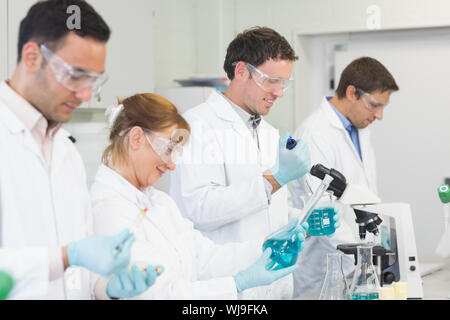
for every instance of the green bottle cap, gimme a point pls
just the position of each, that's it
(444, 193)
(6, 285)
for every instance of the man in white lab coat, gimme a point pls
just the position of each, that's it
(231, 180)
(338, 136)
(45, 212)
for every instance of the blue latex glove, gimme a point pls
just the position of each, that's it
(129, 283)
(98, 253)
(286, 232)
(291, 164)
(257, 274)
(337, 218)
(300, 230)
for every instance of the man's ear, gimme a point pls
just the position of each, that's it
(241, 70)
(31, 57)
(350, 93)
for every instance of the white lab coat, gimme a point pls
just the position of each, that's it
(194, 267)
(219, 184)
(41, 210)
(330, 144)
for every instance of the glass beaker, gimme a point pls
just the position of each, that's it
(334, 286)
(285, 247)
(365, 285)
(321, 222)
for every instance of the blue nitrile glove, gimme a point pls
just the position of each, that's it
(98, 253)
(337, 218)
(257, 274)
(129, 283)
(286, 232)
(300, 230)
(291, 164)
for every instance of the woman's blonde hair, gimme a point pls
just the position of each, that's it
(148, 111)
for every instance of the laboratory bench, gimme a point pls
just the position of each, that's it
(435, 282)
(436, 285)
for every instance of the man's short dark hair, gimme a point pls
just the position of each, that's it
(367, 74)
(256, 46)
(46, 22)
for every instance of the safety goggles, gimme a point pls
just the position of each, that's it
(266, 82)
(73, 78)
(370, 102)
(169, 150)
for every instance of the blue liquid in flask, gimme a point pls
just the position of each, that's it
(321, 222)
(285, 247)
(365, 296)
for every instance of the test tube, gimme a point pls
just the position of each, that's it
(138, 221)
(133, 227)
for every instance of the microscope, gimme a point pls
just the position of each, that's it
(396, 257)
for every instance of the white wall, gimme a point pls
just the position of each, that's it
(16, 12)
(130, 56)
(3, 39)
(175, 37)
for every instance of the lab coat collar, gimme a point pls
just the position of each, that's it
(331, 114)
(334, 118)
(8, 99)
(25, 112)
(225, 111)
(142, 198)
(222, 107)
(364, 134)
(10, 120)
(17, 128)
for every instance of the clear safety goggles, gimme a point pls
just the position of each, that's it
(370, 102)
(169, 150)
(73, 78)
(266, 82)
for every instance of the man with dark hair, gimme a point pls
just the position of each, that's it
(44, 204)
(231, 180)
(338, 138)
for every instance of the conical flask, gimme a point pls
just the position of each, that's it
(334, 286)
(285, 247)
(365, 285)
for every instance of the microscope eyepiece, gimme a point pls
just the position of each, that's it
(339, 182)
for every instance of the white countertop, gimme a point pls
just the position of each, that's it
(436, 286)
